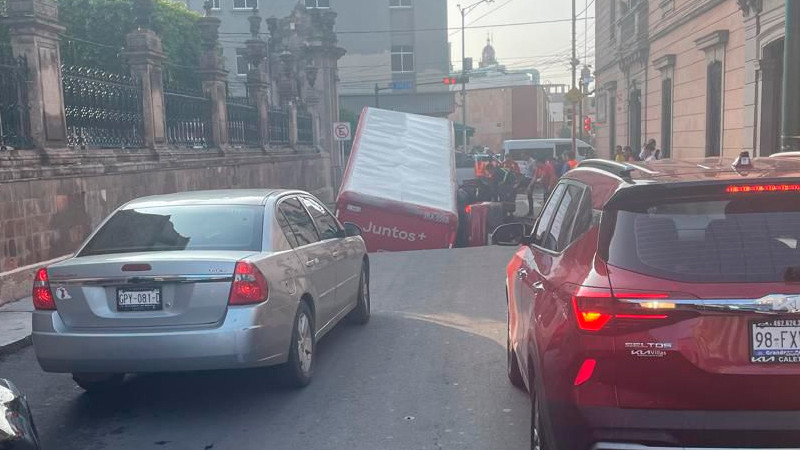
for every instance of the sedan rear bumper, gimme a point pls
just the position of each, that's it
(248, 337)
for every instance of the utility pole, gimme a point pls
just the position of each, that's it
(377, 96)
(464, 12)
(574, 74)
(791, 67)
(463, 80)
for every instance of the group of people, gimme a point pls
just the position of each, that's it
(546, 172)
(649, 152)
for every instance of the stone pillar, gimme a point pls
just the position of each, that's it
(146, 57)
(257, 78)
(214, 78)
(34, 28)
(293, 125)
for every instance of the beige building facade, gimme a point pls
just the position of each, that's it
(701, 77)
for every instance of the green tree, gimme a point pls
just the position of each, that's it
(96, 29)
(3, 28)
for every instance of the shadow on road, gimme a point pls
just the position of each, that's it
(401, 382)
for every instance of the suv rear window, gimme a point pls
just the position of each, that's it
(188, 227)
(753, 238)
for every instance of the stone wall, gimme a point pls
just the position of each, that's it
(47, 211)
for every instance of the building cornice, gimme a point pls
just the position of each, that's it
(685, 18)
(715, 39)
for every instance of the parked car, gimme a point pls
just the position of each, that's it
(17, 431)
(201, 280)
(658, 306)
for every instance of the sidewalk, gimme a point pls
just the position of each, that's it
(15, 325)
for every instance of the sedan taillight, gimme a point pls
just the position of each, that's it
(42, 295)
(249, 285)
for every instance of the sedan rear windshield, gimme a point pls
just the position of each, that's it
(751, 238)
(172, 228)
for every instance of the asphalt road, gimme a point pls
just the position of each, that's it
(427, 372)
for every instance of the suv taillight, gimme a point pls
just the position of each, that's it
(42, 295)
(599, 308)
(249, 285)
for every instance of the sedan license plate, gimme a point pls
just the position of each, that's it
(144, 299)
(775, 341)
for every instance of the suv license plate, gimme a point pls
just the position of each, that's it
(775, 341)
(144, 299)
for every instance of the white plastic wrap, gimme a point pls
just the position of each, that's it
(405, 158)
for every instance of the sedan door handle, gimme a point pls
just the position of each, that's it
(538, 286)
(337, 254)
(522, 273)
(312, 262)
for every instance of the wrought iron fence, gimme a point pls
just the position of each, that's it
(305, 130)
(14, 125)
(243, 122)
(103, 109)
(188, 119)
(187, 109)
(278, 127)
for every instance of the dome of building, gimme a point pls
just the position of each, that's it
(488, 57)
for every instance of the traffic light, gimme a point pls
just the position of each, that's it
(587, 124)
(455, 80)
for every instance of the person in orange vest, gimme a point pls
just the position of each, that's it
(572, 162)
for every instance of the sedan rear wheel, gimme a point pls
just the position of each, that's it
(298, 370)
(99, 382)
(360, 315)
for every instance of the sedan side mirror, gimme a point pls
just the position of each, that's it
(509, 235)
(352, 230)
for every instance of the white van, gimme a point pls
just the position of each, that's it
(522, 149)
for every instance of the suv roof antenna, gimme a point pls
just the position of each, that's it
(619, 169)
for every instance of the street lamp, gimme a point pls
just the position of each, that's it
(464, 11)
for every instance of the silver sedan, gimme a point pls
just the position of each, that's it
(201, 281)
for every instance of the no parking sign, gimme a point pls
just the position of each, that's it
(341, 131)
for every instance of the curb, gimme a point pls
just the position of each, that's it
(14, 346)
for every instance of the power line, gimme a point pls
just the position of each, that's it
(416, 30)
(493, 10)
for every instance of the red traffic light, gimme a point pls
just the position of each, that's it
(587, 124)
(450, 80)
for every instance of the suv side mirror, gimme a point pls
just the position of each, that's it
(509, 235)
(351, 229)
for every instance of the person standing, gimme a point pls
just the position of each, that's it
(571, 161)
(546, 176)
(618, 155)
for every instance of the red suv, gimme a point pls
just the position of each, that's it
(658, 306)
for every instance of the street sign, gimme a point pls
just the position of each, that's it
(402, 85)
(341, 131)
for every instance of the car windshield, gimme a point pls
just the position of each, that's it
(170, 228)
(747, 239)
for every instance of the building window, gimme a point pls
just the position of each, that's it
(666, 117)
(215, 4)
(245, 4)
(612, 122)
(402, 58)
(242, 66)
(313, 4)
(399, 3)
(714, 109)
(635, 119)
